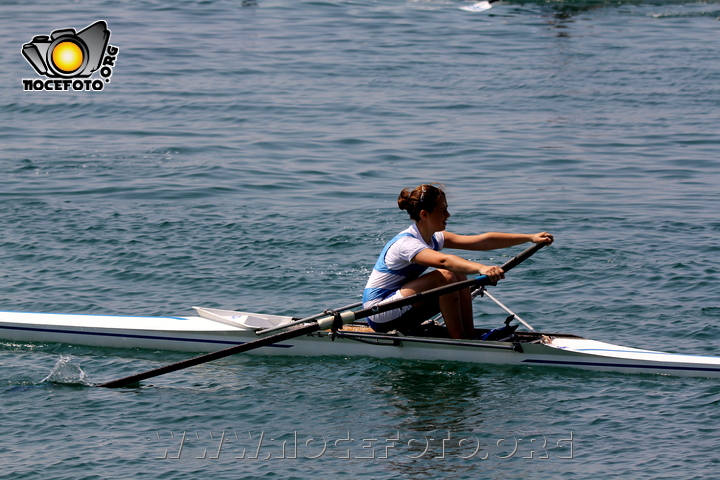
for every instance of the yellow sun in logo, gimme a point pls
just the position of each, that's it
(67, 56)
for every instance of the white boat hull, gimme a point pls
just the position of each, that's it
(197, 334)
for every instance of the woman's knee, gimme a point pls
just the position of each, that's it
(450, 277)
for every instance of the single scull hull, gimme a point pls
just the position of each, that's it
(198, 334)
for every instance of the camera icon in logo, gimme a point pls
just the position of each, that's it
(66, 53)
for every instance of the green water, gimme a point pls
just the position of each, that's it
(248, 155)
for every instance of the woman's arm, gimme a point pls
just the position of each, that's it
(455, 264)
(493, 240)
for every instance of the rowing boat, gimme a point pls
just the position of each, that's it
(211, 330)
(338, 332)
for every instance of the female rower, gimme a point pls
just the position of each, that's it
(398, 270)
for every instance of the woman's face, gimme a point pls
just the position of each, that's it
(437, 219)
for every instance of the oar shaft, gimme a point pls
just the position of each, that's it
(321, 323)
(308, 319)
(521, 257)
(261, 342)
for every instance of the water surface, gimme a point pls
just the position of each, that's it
(249, 155)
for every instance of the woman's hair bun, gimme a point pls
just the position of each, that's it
(404, 199)
(425, 197)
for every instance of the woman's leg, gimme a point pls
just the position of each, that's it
(456, 307)
(466, 309)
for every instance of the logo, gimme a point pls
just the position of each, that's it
(69, 58)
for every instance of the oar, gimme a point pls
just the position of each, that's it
(313, 324)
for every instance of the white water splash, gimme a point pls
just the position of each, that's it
(477, 7)
(66, 372)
